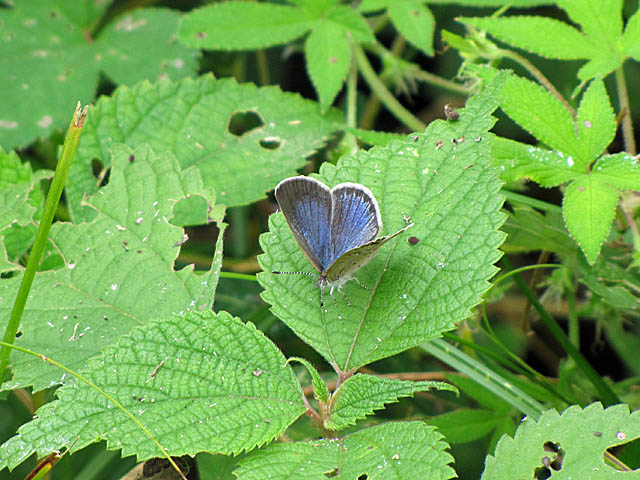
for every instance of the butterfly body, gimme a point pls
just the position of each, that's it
(335, 228)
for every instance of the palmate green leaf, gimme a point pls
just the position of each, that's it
(614, 284)
(360, 395)
(620, 170)
(579, 436)
(415, 22)
(631, 36)
(389, 451)
(595, 122)
(198, 382)
(442, 182)
(517, 160)
(589, 207)
(600, 42)
(327, 52)
(21, 203)
(118, 269)
(244, 25)
(540, 113)
(191, 119)
(49, 61)
(545, 36)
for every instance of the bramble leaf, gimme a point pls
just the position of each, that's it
(118, 269)
(589, 207)
(390, 451)
(540, 113)
(193, 120)
(360, 395)
(202, 381)
(440, 180)
(576, 440)
(620, 170)
(415, 22)
(595, 122)
(50, 60)
(328, 55)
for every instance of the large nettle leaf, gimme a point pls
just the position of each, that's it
(572, 442)
(118, 269)
(21, 201)
(193, 119)
(49, 59)
(391, 451)
(197, 382)
(441, 180)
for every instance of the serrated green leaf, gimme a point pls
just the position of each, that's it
(118, 269)
(197, 382)
(441, 180)
(191, 119)
(545, 36)
(540, 113)
(415, 22)
(462, 426)
(589, 207)
(599, 19)
(596, 122)
(320, 389)
(630, 43)
(51, 62)
(582, 435)
(360, 395)
(385, 452)
(244, 25)
(518, 160)
(529, 230)
(351, 21)
(600, 65)
(327, 53)
(620, 170)
(21, 203)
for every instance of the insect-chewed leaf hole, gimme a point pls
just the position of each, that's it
(628, 452)
(243, 122)
(270, 143)
(99, 171)
(550, 462)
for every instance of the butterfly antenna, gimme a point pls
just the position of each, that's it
(296, 273)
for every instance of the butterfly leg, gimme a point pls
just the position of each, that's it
(361, 284)
(346, 299)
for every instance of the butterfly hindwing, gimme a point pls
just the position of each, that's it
(353, 260)
(355, 218)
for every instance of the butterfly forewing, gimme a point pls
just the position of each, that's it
(355, 217)
(306, 205)
(352, 260)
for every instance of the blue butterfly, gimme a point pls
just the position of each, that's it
(336, 228)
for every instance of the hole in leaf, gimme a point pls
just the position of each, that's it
(270, 143)
(550, 462)
(243, 122)
(363, 476)
(100, 173)
(628, 453)
(18, 334)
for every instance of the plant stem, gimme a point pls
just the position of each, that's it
(53, 197)
(607, 395)
(574, 320)
(352, 103)
(532, 202)
(263, 67)
(378, 88)
(627, 125)
(539, 76)
(443, 83)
